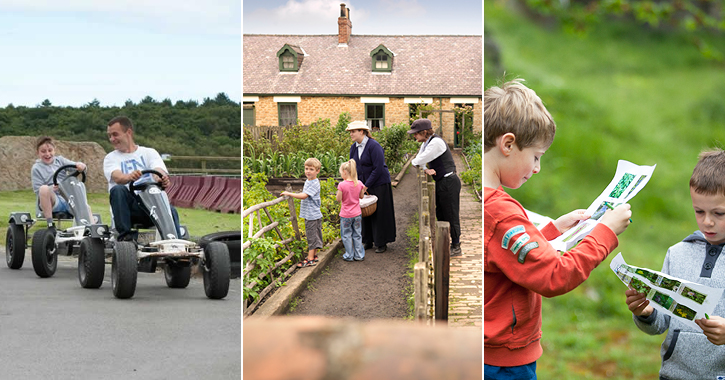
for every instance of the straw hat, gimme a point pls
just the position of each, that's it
(358, 125)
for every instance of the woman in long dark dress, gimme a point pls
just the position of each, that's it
(379, 228)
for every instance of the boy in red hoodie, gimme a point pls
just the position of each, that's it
(519, 264)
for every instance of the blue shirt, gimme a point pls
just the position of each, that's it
(361, 146)
(310, 206)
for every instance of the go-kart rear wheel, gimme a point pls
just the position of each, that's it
(91, 263)
(124, 269)
(15, 246)
(177, 276)
(216, 268)
(45, 256)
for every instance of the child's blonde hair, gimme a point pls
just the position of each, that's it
(313, 162)
(708, 177)
(515, 108)
(351, 168)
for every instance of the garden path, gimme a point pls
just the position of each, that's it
(369, 289)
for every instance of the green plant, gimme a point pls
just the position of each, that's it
(473, 152)
(396, 143)
(342, 121)
(413, 236)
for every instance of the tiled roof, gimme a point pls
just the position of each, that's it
(422, 66)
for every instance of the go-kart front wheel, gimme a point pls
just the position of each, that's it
(15, 246)
(177, 275)
(91, 263)
(216, 268)
(44, 253)
(124, 269)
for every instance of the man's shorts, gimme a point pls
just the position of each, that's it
(313, 229)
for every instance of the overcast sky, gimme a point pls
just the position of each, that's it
(74, 51)
(380, 17)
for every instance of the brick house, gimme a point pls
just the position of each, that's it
(380, 79)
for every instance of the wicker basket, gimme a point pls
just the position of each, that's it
(368, 205)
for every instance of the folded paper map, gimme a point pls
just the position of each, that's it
(676, 297)
(628, 180)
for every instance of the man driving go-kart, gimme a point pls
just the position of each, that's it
(124, 165)
(137, 177)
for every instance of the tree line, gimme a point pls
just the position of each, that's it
(184, 128)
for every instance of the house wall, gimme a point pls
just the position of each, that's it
(311, 108)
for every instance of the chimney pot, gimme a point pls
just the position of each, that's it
(344, 25)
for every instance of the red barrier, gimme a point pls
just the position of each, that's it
(217, 186)
(231, 199)
(206, 186)
(190, 186)
(174, 187)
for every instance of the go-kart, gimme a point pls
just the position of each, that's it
(176, 253)
(86, 233)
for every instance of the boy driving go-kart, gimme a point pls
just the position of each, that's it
(86, 233)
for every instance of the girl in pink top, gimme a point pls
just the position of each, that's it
(349, 192)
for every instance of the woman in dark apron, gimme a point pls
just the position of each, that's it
(378, 229)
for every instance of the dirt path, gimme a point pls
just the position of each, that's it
(374, 288)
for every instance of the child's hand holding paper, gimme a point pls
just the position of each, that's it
(714, 329)
(617, 219)
(567, 221)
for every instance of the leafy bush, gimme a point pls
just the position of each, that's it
(317, 137)
(396, 143)
(473, 152)
(330, 145)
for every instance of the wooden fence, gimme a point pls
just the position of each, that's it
(203, 170)
(431, 272)
(250, 212)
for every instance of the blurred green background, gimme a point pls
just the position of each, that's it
(620, 90)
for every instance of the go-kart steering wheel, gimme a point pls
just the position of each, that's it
(142, 186)
(75, 173)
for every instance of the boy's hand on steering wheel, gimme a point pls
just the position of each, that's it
(80, 166)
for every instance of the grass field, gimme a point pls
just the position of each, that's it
(199, 221)
(621, 92)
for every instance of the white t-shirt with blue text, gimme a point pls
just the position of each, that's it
(142, 158)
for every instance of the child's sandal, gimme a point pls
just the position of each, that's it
(306, 263)
(317, 259)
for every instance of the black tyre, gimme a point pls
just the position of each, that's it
(216, 269)
(177, 276)
(44, 254)
(91, 263)
(15, 246)
(124, 269)
(233, 240)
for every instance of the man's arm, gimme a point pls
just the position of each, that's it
(120, 178)
(435, 148)
(165, 180)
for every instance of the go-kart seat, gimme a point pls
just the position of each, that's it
(62, 215)
(141, 226)
(57, 215)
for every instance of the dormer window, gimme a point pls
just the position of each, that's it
(381, 62)
(288, 61)
(382, 59)
(290, 58)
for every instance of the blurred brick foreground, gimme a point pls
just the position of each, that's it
(316, 348)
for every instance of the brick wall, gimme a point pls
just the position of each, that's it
(311, 108)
